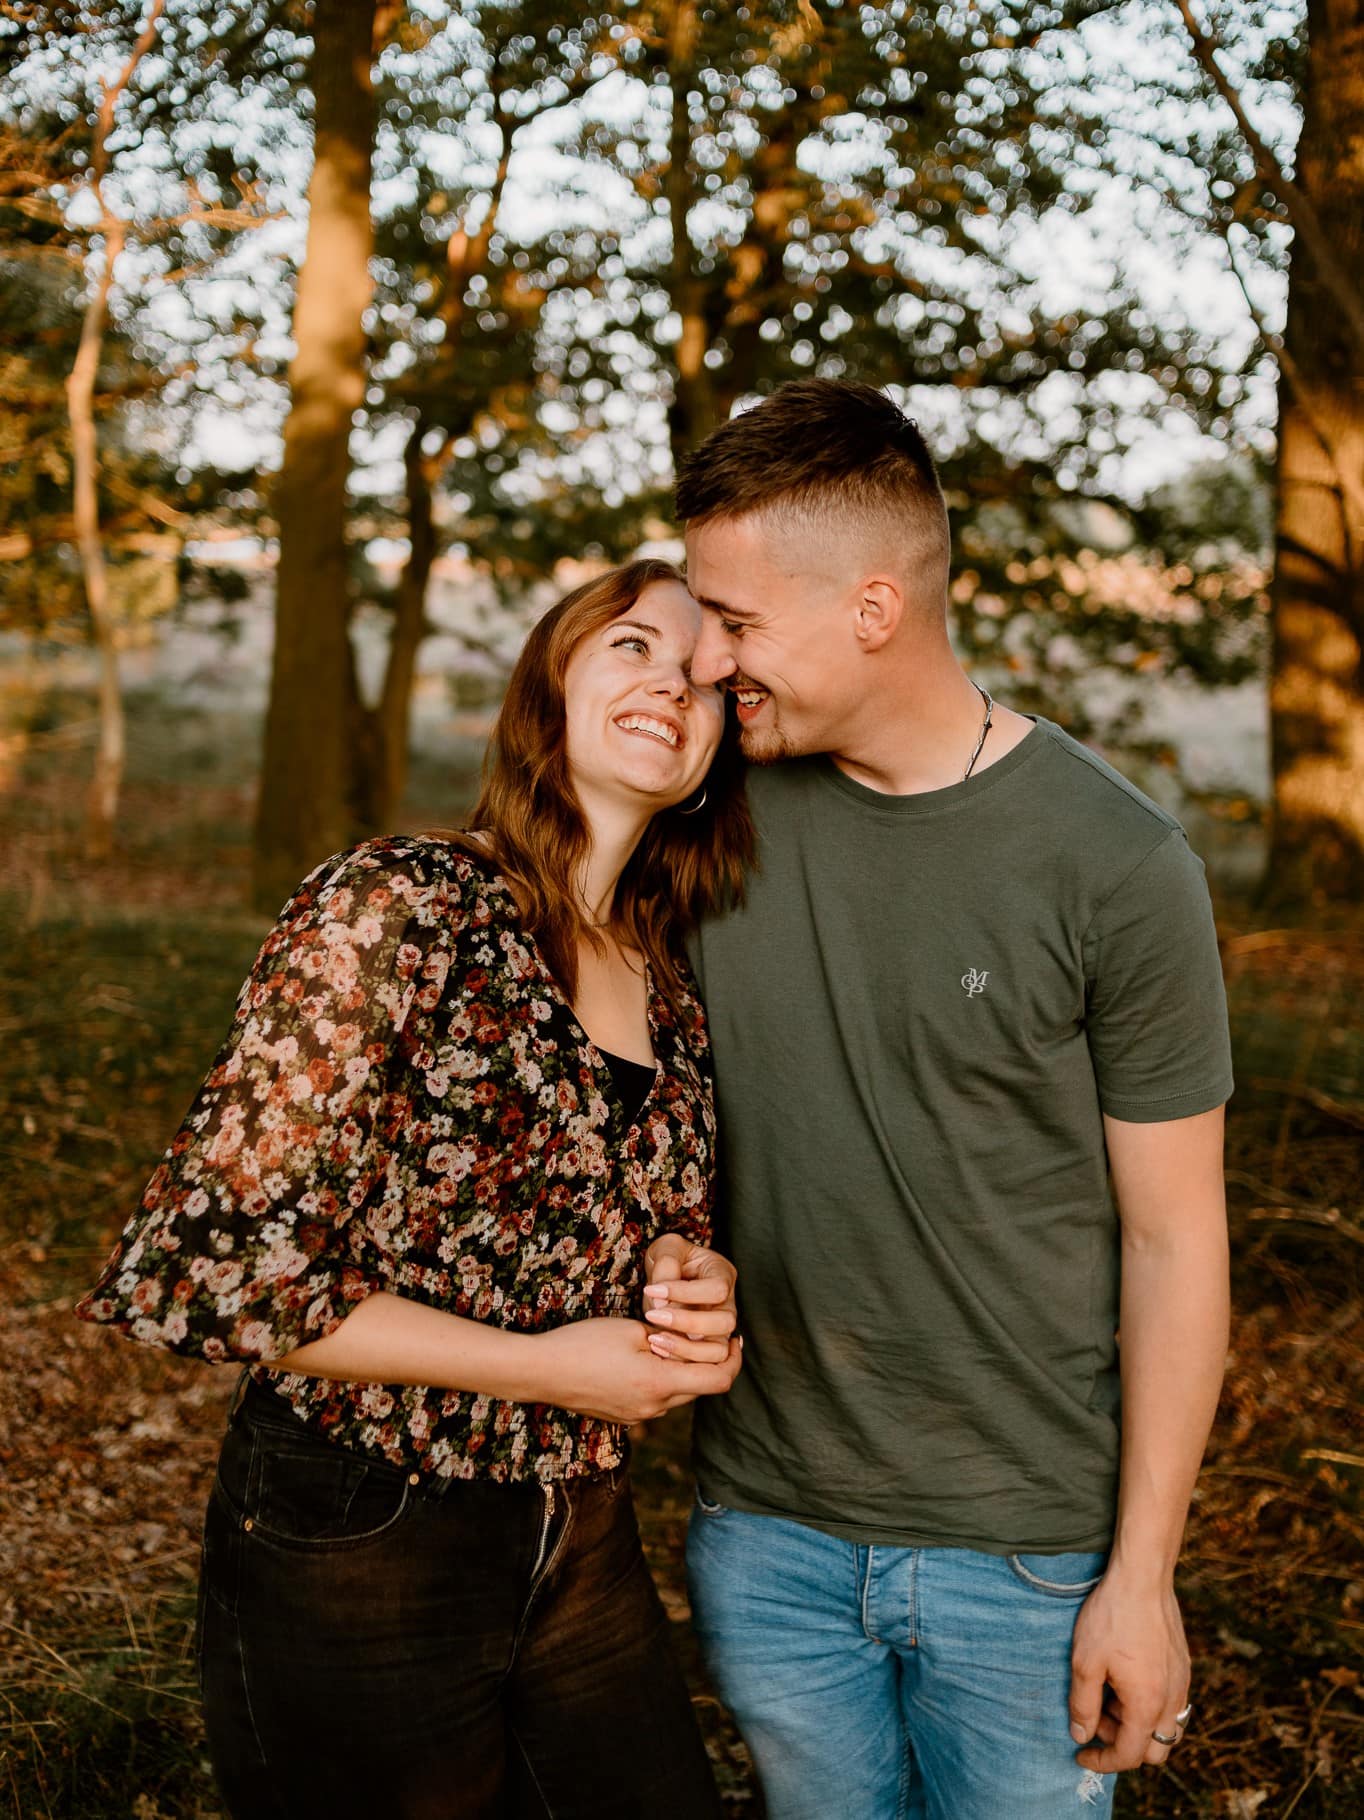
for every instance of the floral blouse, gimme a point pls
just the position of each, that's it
(406, 1102)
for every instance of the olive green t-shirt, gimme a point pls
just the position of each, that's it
(918, 1018)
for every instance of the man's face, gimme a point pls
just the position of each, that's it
(776, 633)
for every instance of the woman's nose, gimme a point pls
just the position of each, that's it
(673, 682)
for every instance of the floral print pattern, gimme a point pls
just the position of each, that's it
(406, 1102)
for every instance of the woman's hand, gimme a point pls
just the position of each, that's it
(689, 1299)
(608, 1369)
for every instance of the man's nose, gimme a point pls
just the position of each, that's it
(713, 660)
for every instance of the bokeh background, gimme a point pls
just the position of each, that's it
(337, 339)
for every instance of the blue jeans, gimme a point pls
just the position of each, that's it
(881, 1683)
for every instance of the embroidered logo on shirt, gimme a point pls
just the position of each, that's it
(974, 982)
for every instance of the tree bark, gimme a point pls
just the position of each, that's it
(692, 413)
(1317, 685)
(111, 744)
(390, 721)
(386, 728)
(307, 794)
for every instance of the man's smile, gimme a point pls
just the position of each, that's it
(749, 698)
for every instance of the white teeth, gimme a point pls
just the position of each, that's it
(641, 723)
(751, 697)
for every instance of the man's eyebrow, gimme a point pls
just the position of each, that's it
(721, 606)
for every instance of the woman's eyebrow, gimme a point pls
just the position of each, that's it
(638, 626)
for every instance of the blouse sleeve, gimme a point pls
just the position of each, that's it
(248, 1241)
(693, 1203)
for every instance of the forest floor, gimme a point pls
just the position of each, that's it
(117, 982)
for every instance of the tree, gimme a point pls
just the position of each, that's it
(459, 298)
(862, 191)
(1300, 225)
(79, 104)
(80, 392)
(305, 808)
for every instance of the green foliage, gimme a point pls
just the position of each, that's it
(596, 235)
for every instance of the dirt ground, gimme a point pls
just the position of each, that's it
(118, 981)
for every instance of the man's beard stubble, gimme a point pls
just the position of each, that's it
(765, 746)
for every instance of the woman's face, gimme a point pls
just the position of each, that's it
(638, 728)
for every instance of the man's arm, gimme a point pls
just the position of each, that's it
(1173, 1325)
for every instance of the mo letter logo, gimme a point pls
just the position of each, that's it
(974, 982)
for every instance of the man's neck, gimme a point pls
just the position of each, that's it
(926, 741)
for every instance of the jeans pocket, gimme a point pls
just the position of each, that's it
(1068, 1576)
(320, 1498)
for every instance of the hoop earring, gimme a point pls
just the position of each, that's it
(696, 807)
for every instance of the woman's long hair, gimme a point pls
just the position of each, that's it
(686, 865)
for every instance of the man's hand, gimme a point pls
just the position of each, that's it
(1129, 1673)
(689, 1300)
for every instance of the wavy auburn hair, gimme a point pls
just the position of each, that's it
(685, 866)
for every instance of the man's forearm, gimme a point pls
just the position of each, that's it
(1174, 1347)
(1173, 1339)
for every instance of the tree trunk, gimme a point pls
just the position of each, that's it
(111, 747)
(1317, 686)
(388, 722)
(111, 743)
(306, 808)
(692, 411)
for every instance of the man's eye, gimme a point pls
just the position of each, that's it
(731, 628)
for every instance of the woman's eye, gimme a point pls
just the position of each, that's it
(631, 644)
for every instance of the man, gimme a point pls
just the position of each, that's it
(976, 972)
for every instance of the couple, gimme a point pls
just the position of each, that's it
(448, 1189)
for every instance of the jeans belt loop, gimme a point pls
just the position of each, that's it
(239, 1394)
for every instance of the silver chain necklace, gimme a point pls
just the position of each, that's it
(988, 699)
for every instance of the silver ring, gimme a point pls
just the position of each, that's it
(1160, 1738)
(1182, 1718)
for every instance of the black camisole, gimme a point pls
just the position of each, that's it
(633, 1081)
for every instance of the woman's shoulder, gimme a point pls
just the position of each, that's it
(393, 883)
(400, 867)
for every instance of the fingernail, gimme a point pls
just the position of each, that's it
(663, 1315)
(658, 1290)
(1080, 1735)
(660, 1346)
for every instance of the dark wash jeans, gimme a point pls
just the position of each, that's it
(372, 1648)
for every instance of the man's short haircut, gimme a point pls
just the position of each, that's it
(821, 448)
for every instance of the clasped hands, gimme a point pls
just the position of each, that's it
(685, 1347)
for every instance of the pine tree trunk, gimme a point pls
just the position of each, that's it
(1317, 686)
(306, 808)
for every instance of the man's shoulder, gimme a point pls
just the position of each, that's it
(1083, 783)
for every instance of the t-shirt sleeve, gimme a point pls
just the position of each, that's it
(1156, 1009)
(249, 1240)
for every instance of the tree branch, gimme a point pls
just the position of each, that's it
(1297, 205)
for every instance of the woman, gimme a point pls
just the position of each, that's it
(464, 1111)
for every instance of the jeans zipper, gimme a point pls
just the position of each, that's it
(543, 1543)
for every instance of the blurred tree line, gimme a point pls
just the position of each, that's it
(547, 252)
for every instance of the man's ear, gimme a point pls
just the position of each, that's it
(880, 608)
